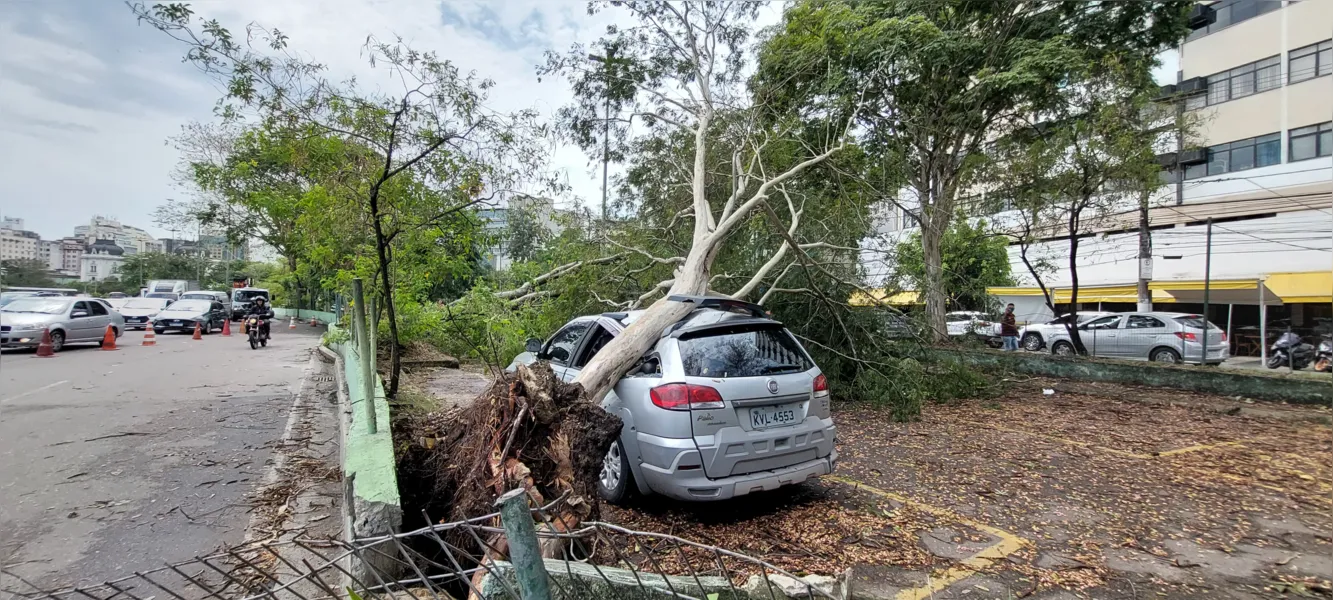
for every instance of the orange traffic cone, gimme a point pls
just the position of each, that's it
(109, 339)
(292, 324)
(149, 338)
(198, 331)
(44, 348)
(313, 322)
(226, 328)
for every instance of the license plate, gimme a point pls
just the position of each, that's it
(175, 322)
(773, 416)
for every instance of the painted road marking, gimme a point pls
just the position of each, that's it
(31, 392)
(1008, 544)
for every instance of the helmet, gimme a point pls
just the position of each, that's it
(261, 300)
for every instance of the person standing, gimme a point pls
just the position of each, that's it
(1009, 329)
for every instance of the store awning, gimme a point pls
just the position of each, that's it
(1220, 291)
(1314, 286)
(879, 297)
(1091, 293)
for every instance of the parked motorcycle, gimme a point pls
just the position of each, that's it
(254, 330)
(1323, 357)
(1289, 350)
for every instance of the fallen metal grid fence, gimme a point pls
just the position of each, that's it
(598, 560)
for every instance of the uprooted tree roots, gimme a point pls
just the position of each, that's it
(528, 430)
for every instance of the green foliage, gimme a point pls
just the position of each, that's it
(25, 273)
(334, 337)
(973, 259)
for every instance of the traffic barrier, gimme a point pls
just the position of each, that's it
(198, 331)
(44, 348)
(149, 338)
(109, 339)
(226, 328)
(292, 324)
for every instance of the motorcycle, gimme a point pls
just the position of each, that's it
(1323, 357)
(1289, 350)
(254, 329)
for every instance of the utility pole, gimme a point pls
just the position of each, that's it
(1145, 254)
(1207, 288)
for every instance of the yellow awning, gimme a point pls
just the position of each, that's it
(1197, 285)
(906, 298)
(1092, 293)
(1314, 286)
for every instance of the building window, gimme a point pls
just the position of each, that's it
(1315, 60)
(1310, 142)
(1242, 81)
(1240, 155)
(1230, 12)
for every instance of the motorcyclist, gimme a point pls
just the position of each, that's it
(263, 312)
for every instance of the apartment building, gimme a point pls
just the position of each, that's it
(131, 239)
(17, 244)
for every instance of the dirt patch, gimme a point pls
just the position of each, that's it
(1118, 487)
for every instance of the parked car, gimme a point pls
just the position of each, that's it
(70, 320)
(184, 315)
(1157, 336)
(223, 298)
(139, 312)
(725, 403)
(1033, 337)
(971, 322)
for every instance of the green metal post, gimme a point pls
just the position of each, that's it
(524, 553)
(363, 351)
(373, 327)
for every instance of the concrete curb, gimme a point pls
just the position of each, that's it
(371, 505)
(1295, 390)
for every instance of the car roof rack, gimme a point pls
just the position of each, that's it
(720, 303)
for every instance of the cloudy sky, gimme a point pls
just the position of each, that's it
(89, 98)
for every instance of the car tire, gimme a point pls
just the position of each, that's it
(57, 340)
(1032, 342)
(614, 481)
(1165, 355)
(206, 328)
(159, 331)
(1063, 349)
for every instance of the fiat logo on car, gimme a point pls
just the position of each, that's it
(772, 387)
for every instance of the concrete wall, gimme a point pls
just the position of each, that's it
(370, 482)
(1276, 388)
(322, 316)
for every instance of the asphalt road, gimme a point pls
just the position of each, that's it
(112, 462)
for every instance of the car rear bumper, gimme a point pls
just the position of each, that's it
(690, 484)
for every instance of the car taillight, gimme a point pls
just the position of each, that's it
(1185, 335)
(680, 396)
(821, 383)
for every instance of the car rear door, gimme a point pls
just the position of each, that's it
(1142, 333)
(750, 389)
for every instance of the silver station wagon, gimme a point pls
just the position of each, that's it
(726, 403)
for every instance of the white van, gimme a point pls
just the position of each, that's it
(242, 297)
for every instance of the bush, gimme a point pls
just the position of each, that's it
(902, 386)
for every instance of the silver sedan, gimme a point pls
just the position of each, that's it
(70, 320)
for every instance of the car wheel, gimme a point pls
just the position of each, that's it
(1165, 355)
(57, 341)
(1062, 349)
(159, 331)
(614, 482)
(1032, 342)
(206, 328)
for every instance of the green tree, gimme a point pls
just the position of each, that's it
(934, 80)
(25, 272)
(973, 258)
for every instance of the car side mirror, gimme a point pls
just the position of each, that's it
(533, 345)
(78, 313)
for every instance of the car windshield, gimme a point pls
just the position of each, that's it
(247, 296)
(742, 352)
(149, 303)
(191, 305)
(1195, 321)
(49, 306)
(117, 302)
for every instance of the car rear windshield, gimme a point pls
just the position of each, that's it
(198, 305)
(247, 296)
(149, 303)
(742, 352)
(1195, 321)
